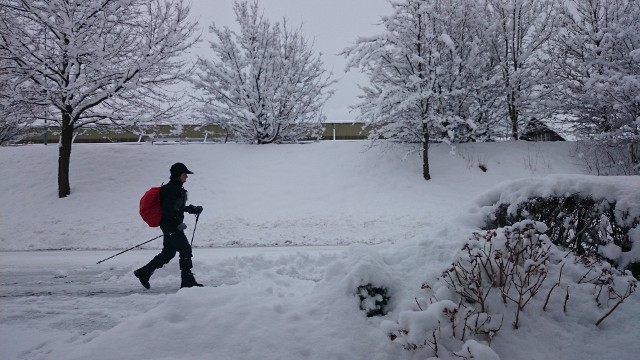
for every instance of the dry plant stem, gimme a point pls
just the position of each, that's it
(419, 307)
(461, 356)
(544, 308)
(627, 293)
(609, 312)
(598, 295)
(452, 314)
(585, 275)
(478, 326)
(465, 326)
(533, 289)
(524, 290)
(566, 299)
(468, 276)
(434, 344)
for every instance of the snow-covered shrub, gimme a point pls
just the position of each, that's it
(365, 281)
(373, 300)
(498, 275)
(588, 227)
(511, 260)
(440, 327)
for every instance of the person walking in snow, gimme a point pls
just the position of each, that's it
(173, 200)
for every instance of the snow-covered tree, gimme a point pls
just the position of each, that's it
(96, 60)
(518, 34)
(265, 83)
(597, 59)
(18, 102)
(15, 112)
(467, 81)
(427, 72)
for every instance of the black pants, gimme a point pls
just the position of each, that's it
(174, 241)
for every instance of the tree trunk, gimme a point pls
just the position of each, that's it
(635, 151)
(66, 138)
(513, 116)
(265, 138)
(425, 153)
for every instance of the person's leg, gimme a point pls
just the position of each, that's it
(184, 249)
(168, 252)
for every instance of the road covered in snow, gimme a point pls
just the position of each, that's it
(48, 297)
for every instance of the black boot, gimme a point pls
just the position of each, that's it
(143, 275)
(188, 280)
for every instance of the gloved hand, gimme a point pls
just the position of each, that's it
(196, 210)
(181, 227)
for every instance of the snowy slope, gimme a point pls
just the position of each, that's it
(313, 194)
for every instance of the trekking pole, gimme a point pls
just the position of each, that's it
(194, 229)
(131, 248)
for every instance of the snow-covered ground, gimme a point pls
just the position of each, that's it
(287, 235)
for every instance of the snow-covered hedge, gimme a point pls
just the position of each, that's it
(590, 215)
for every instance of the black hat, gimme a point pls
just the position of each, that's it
(178, 169)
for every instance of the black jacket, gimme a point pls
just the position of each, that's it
(173, 198)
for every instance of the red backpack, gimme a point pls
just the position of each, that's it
(150, 208)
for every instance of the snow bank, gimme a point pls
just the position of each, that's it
(624, 190)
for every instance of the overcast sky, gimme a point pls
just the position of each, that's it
(334, 24)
